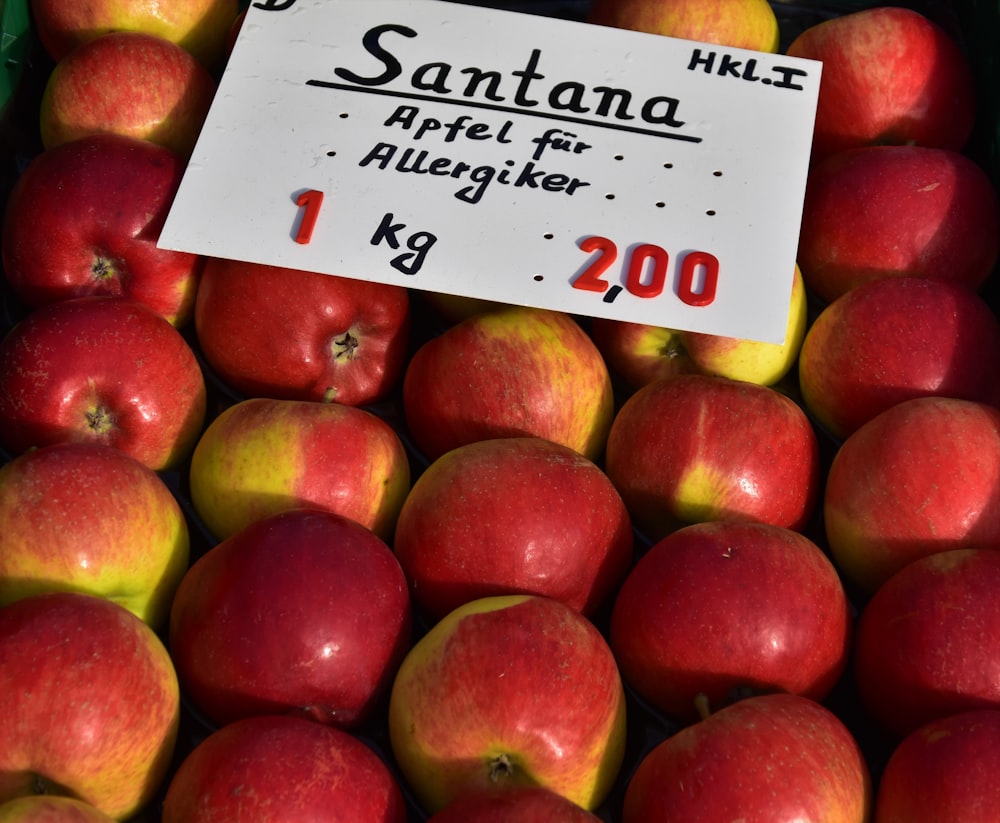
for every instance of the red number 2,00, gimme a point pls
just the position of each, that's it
(646, 271)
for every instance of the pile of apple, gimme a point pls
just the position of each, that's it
(276, 545)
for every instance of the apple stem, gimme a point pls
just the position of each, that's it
(501, 768)
(701, 705)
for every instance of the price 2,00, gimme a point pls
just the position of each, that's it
(645, 271)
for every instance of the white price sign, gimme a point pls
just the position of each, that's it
(507, 156)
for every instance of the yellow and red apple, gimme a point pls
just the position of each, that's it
(262, 456)
(641, 353)
(511, 691)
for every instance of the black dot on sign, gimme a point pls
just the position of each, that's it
(612, 293)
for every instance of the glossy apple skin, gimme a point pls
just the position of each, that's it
(921, 477)
(262, 456)
(525, 804)
(943, 771)
(47, 808)
(271, 769)
(102, 370)
(509, 691)
(641, 353)
(510, 372)
(894, 339)
(513, 515)
(130, 83)
(91, 702)
(890, 76)
(717, 609)
(928, 640)
(88, 517)
(275, 332)
(198, 26)
(302, 612)
(765, 758)
(747, 24)
(693, 448)
(897, 211)
(84, 219)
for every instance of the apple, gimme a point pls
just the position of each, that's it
(525, 804)
(130, 83)
(88, 517)
(896, 211)
(641, 353)
(262, 456)
(510, 372)
(716, 609)
(919, 478)
(858, 360)
(198, 26)
(504, 692)
(46, 808)
(105, 370)
(764, 758)
(302, 612)
(270, 769)
(943, 770)
(694, 448)
(278, 332)
(747, 24)
(927, 643)
(84, 219)
(513, 515)
(890, 76)
(91, 703)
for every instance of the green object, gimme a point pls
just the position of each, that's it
(15, 43)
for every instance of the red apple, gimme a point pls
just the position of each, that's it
(858, 358)
(47, 808)
(890, 76)
(277, 332)
(273, 769)
(765, 758)
(747, 24)
(897, 211)
(510, 372)
(928, 641)
(945, 770)
(302, 612)
(84, 218)
(91, 704)
(263, 456)
(131, 83)
(513, 515)
(504, 692)
(921, 477)
(525, 804)
(88, 517)
(641, 353)
(198, 26)
(716, 609)
(105, 370)
(694, 448)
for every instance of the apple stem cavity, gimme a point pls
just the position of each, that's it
(345, 347)
(100, 419)
(104, 269)
(501, 768)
